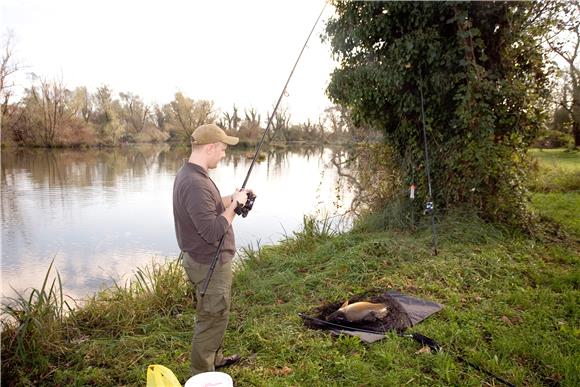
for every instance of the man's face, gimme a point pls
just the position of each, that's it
(215, 153)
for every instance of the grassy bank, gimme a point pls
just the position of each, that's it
(511, 308)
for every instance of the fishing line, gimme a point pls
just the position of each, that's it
(429, 207)
(238, 209)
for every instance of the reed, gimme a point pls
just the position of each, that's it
(35, 322)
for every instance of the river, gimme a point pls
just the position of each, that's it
(102, 213)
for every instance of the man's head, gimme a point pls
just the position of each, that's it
(209, 142)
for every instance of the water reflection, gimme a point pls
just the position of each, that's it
(103, 212)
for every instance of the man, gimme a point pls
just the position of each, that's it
(201, 218)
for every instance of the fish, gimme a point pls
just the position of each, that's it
(359, 312)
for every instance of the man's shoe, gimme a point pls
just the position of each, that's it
(228, 361)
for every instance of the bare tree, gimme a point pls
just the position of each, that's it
(280, 125)
(231, 121)
(252, 117)
(46, 110)
(250, 126)
(8, 67)
(134, 111)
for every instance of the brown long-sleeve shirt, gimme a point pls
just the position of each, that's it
(197, 209)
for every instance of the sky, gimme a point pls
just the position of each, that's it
(226, 51)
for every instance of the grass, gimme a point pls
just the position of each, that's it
(563, 207)
(556, 186)
(555, 170)
(511, 308)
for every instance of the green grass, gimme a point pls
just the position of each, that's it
(556, 187)
(562, 158)
(562, 207)
(511, 307)
(555, 170)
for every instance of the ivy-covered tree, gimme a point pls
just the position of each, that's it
(483, 74)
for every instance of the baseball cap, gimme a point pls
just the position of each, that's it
(211, 133)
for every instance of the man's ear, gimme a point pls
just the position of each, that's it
(209, 147)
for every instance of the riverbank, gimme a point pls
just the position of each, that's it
(510, 307)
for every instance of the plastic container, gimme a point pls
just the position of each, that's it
(210, 379)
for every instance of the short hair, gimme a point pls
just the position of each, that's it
(196, 147)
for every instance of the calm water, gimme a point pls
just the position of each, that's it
(102, 213)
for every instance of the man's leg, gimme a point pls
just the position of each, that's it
(212, 313)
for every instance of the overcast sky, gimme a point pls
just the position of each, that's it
(227, 51)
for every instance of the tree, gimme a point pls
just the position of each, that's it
(106, 116)
(280, 125)
(8, 67)
(566, 45)
(135, 112)
(46, 110)
(250, 126)
(83, 103)
(481, 69)
(187, 114)
(231, 122)
(159, 118)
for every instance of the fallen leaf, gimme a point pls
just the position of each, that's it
(285, 371)
(506, 320)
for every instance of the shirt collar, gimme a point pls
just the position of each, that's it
(197, 168)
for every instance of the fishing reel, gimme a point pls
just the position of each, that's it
(243, 209)
(428, 208)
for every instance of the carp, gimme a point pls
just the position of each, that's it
(359, 312)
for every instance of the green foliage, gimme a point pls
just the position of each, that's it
(550, 139)
(481, 70)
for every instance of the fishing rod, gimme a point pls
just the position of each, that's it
(418, 337)
(429, 207)
(422, 339)
(242, 209)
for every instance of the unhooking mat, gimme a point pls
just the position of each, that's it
(404, 312)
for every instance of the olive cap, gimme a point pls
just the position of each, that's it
(211, 133)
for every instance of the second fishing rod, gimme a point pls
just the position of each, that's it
(243, 209)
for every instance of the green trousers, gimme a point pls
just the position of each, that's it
(212, 313)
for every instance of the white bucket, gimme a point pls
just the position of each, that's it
(210, 379)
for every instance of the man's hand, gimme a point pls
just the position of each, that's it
(240, 196)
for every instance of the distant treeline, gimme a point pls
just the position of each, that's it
(49, 115)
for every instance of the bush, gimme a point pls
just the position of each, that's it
(473, 74)
(551, 139)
